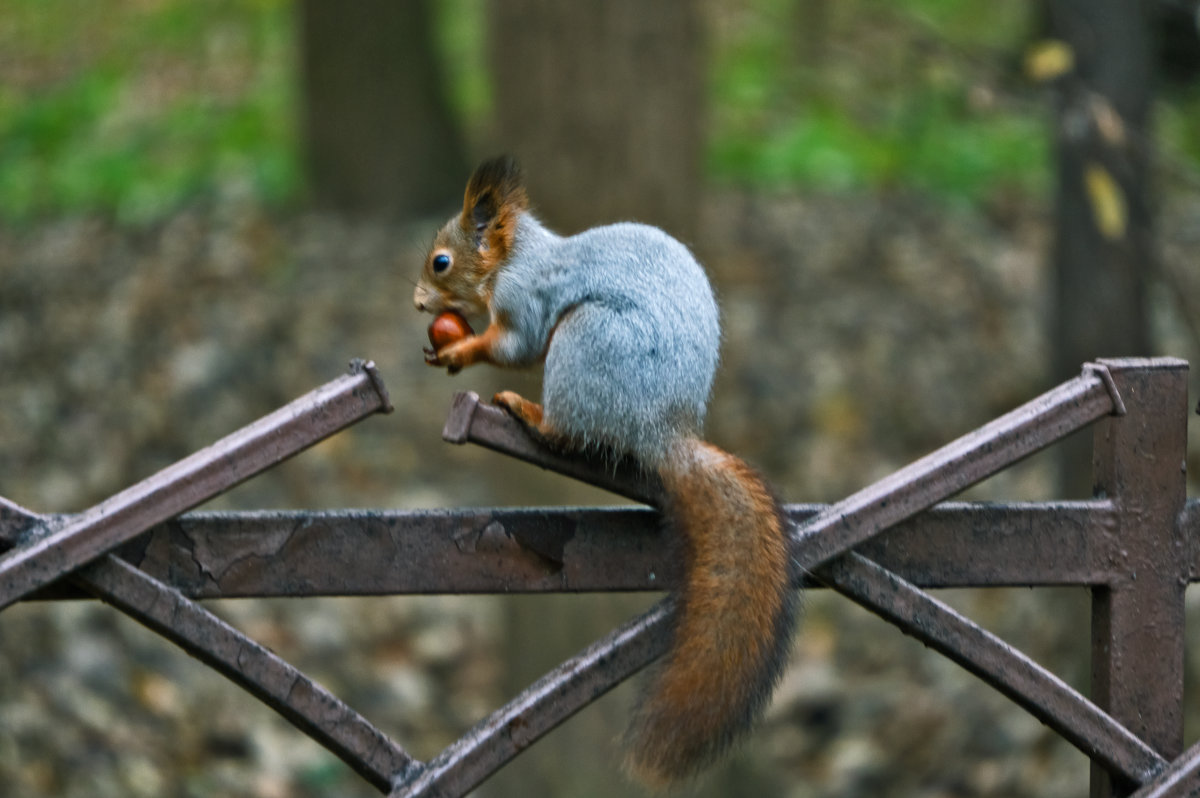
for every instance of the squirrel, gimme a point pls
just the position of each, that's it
(625, 322)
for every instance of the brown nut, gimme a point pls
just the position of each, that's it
(448, 328)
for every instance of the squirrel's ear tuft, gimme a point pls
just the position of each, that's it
(501, 178)
(495, 196)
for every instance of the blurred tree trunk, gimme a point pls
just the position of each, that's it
(1104, 244)
(603, 100)
(378, 131)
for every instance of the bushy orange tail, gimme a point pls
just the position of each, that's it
(734, 621)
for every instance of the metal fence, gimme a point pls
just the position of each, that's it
(1132, 545)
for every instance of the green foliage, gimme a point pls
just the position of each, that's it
(462, 39)
(870, 94)
(967, 23)
(134, 109)
(1179, 124)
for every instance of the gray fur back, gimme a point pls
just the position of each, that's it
(634, 326)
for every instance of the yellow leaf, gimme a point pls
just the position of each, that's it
(1107, 200)
(1049, 59)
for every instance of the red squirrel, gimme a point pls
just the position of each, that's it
(624, 320)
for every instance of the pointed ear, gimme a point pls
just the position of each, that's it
(494, 199)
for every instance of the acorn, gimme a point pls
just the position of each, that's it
(447, 328)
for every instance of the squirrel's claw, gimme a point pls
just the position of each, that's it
(437, 358)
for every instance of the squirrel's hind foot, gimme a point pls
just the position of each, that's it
(531, 416)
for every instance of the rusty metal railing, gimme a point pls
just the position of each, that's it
(1132, 546)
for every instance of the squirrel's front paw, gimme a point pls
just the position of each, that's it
(453, 357)
(431, 357)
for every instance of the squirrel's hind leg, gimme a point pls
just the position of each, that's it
(530, 414)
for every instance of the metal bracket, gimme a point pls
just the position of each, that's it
(1101, 371)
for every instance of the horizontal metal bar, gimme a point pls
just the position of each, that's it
(1189, 526)
(84, 537)
(365, 552)
(842, 526)
(959, 544)
(606, 543)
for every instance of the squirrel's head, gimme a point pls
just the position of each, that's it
(469, 250)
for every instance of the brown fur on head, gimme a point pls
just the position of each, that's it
(461, 265)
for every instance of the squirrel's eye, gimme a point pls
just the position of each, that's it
(441, 263)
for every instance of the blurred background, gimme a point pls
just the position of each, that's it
(916, 214)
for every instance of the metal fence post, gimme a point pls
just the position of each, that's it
(1138, 618)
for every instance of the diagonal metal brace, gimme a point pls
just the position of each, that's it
(306, 704)
(195, 479)
(248, 664)
(1180, 780)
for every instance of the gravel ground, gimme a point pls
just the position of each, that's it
(860, 333)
